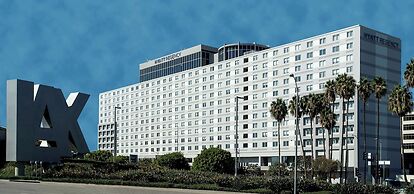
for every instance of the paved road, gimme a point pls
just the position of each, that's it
(7, 187)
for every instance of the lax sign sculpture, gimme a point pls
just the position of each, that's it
(41, 124)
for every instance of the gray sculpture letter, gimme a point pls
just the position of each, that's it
(41, 124)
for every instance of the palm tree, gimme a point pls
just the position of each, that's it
(380, 89)
(312, 105)
(278, 110)
(364, 91)
(312, 109)
(292, 110)
(400, 103)
(409, 73)
(327, 121)
(329, 97)
(345, 88)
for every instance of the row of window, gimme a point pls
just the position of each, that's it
(319, 143)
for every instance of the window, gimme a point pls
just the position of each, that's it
(286, 81)
(335, 71)
(286, 91)
(286, 60)
(285, 143)
(297, 58)
(349, 34)
(322, 52)
(349, 45)
(322, 63)
(322, 74)
(297, 68)
(335, 60)
(309, 55)
(275, 52)
(309, 88)
(349, 69)
(309, 44)
(322, 41)
(349, 57)
(297, 47)
(309, 66)
(309, 76)
(285, 70)
(286, 50)
(335, 37)
(335, 49)
(275, 62)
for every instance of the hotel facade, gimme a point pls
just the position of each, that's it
(186, 100)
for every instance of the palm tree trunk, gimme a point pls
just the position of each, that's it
(342, 143)
(324, 145)
(278, 140)
(402, 153)
(303, 152)
(331, 138)
(312, 155)
(365, 148)
(377, 139)
(346, 142)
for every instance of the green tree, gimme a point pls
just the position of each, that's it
(329, 97)
(345, 88)
(99, 155)
(313, 104)
(278, 110)
(279, 170)
(119, 159)
(409, 73)
(325, 167)
(174, 160)
(400, 103)
(380, 89)
(327, 122)
(292, 110)
(214, 160)
(364, 92)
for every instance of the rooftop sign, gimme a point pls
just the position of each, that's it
(383, 41)
(168, 58)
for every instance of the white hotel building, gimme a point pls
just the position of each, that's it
(186, 100)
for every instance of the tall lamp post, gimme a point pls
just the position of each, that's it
(116, 133)
(295, 176)
(236, 147)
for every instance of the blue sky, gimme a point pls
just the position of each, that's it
(94, 46)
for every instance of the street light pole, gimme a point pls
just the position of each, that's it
(295, 176)
(236, 147)
(115, 134)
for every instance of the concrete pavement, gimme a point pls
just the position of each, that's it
(7, 187)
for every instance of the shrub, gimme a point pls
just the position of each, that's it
(99, 155)
(251, 170)
(175, 160)
(119, 159)
(214, 160)
(363, 189)
(324, 167)
(277, 185)
(280, 170)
